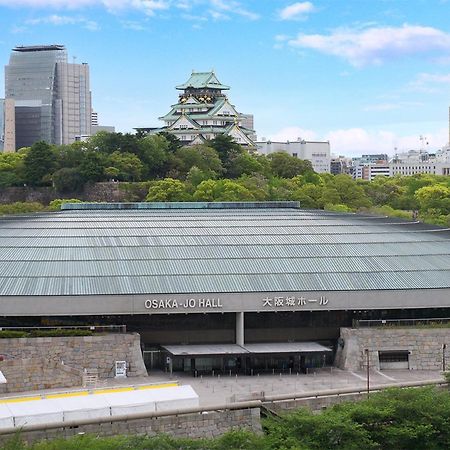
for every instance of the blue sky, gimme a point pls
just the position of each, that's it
(368, 75)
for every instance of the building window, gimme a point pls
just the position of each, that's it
(393, 356)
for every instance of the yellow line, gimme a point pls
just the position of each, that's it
(112, 390)
(85, 393)
(157, 386)
(20, 399)
(68, 394)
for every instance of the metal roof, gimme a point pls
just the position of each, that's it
(183, 249)
(234, 349)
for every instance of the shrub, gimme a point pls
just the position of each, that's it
(8, 334)
(21, 208)
(55, 205)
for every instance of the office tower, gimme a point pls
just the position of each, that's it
(7, 126)
(94, 118)
(52, 97)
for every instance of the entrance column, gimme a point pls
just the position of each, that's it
(240, 328)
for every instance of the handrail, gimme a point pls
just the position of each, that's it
(99, 328)
(363, 323)
(223, 407)
(134, 416)
(338, 392)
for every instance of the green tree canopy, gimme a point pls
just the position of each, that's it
(129, 166)
(38, 163)
(286, 166)
(168, 190)
(201, 156)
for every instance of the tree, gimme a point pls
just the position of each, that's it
(11, 169)
(174, 142)
(129, 166)
(38, 163)
(201, 156)
(222, 191)
(286, 166)
(92, 166)
(246, 164)
(351, 193)
(154, 153)
(168, 190)
(435, 197)
(226, 147)
(67, 179)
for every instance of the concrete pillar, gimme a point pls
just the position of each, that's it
(240, 328)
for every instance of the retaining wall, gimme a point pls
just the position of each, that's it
(58, 359)
(194, 425)
(425, 346)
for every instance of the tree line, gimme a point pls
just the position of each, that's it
(220, 170)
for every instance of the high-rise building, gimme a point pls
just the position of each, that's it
(7, 126)
(202, 112)
(94, 118)
(52, 97)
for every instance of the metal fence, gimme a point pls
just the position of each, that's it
(93, 328)
(429, 323)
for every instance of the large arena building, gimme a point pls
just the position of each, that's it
(221, 286)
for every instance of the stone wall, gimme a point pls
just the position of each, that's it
(75, 352)
(94, 192)
(194, 425)
(425, 346)
(37, 373)
(42, 195)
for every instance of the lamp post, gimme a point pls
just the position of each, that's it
(366, 351)
(444, 346)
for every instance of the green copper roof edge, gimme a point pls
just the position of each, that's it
(181, 205)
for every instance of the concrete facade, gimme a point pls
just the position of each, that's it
(212, 302)
(316, 152)
(7, 126)
(428, 347)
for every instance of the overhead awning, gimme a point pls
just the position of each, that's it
(204, 350)
(247, 349)
(287, 347)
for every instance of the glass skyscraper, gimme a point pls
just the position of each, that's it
(52, 97)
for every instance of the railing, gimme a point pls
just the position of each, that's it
(93, 328)
(429, 322)
(224, 407)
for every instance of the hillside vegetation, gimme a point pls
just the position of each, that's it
(158, 168)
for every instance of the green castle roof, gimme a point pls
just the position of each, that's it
(203, 80)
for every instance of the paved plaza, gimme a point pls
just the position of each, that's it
(223, 389)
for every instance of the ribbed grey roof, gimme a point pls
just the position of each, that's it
(154, 251)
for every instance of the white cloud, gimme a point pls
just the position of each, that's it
(377, 45)
(133, 25)
(391, 106)
(430, 82)
(358, 141)
(149, 7)
(293, 133)
(218, 9)
(235, 7)
(296, 11)
(57, 20)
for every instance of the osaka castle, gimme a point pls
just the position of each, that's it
(202, 112)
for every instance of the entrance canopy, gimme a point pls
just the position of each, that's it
(247, 349)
